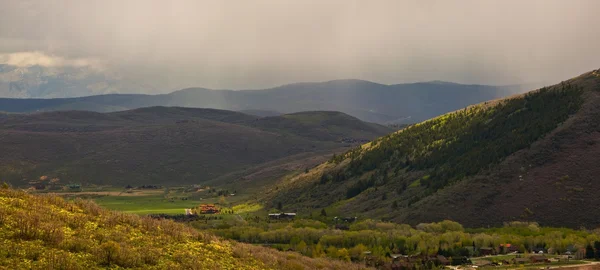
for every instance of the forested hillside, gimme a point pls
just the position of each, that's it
(164, 145)
(47, 232)
(441, 168)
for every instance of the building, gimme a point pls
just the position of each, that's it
(188, 212)
(74, 186)
(348, 219)
(209, 209)
(460, 260)
(443, 260)
(508, 248)
(485, 251)
(282, 216)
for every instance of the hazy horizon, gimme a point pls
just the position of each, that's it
(265, 44)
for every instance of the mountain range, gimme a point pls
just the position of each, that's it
(36, 89)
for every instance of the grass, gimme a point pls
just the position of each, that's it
(247, 208)
(143, 205)
(144, 202)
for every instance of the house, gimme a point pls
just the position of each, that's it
(519, 261)
(396, 256)
(538, 259)
(74, 186)
(344, 219)
(188, 212)
(209, 209)
(349, 219)
(485, 251)
(443, 260)
(508, 248)
(282, 216)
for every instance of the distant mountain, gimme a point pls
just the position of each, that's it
(372, 102)
(529, 157)
(165, 145)
(261, 113)
(60, 82)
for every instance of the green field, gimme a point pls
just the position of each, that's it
(160, 201)
(143, 205)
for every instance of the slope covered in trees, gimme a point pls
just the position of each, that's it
(47, 232)
(454, 166)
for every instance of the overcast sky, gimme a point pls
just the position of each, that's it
(258, 44)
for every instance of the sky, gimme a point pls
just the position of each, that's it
(263, 43)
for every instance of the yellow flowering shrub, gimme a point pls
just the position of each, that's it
(47, 232)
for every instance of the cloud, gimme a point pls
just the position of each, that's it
(36, 58)
(256, 44)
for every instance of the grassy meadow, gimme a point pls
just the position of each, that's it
(171, 200)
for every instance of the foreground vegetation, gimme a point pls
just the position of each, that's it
(47, 232)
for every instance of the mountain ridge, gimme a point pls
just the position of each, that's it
(162, 145)
(365, 100)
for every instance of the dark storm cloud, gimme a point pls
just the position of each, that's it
(256, 44)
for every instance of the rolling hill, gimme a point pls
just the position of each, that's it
(164, 145)
(530, 157)
(368, 101)
(47, 232)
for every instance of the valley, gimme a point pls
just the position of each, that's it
(299, 135)
(379, 204)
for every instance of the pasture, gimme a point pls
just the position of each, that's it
(169, 200)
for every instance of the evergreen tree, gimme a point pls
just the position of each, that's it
(323, 212)
(589, 252)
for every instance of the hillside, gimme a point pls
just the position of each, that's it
(46, 232)
(368, 101)
(164, 145)
(530, 157)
